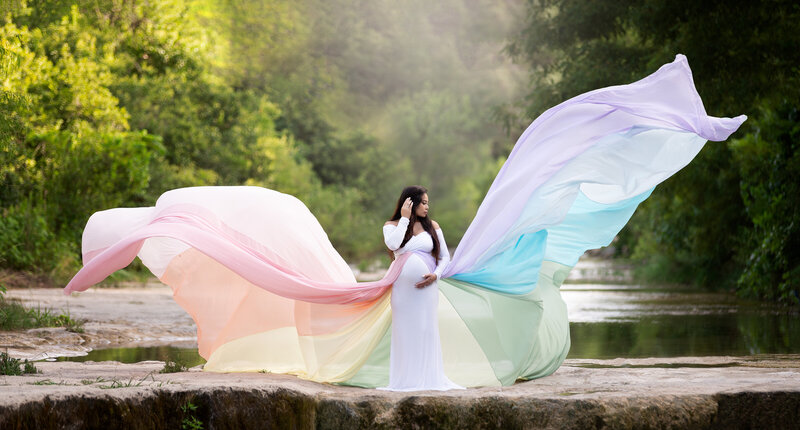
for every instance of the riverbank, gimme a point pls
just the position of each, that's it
(709, 392)
(144, 314)
(136, 315)
(741, 390)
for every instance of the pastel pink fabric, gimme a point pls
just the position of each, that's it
(226, 246)
(235, 273)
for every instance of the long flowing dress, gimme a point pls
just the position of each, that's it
(268, 291)
(415, 358)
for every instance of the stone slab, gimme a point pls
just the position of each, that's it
(692, 392)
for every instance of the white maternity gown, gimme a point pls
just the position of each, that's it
(415, 360)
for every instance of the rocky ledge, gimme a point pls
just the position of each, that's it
(715, 392)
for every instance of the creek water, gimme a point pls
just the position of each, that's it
(610, 321)
(613, 319)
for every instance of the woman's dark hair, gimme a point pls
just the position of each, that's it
(415, 192)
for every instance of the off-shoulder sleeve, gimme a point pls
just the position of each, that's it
(444, 254)
(393, 235)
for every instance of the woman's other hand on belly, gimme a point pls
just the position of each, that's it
(426, 280)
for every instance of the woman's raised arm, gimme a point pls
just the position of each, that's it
(393, 234)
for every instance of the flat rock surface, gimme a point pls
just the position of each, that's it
(683, 392)
(576, 379)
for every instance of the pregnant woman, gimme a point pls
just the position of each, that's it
(257, 273)
(415, 362)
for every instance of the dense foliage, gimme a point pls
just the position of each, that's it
(108, 103)
(729, 220)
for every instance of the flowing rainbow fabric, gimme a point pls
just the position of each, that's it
(268, 291)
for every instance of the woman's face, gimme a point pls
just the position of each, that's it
(422, 207)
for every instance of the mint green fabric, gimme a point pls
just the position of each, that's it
(375, 371)
(524, 336)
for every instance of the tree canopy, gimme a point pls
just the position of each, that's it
(726, 221)
(110, 103)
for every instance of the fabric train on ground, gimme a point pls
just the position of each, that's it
(268, 291)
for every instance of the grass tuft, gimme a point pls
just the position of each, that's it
(122, 384)
(15, 367)
(174, 363)
(94, 381)
(115, 383)
(15, 316)
(49, 381)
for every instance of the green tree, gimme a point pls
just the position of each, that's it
(769, 160)
(346, 75)
(742, 54)
(112, 102)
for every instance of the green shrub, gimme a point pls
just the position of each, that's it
(14, 367)
(31, 244)
(769, 160)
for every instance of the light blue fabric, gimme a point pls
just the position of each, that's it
(583, 206)
(588, 225)
(513, 271)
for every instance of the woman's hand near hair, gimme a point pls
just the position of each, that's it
(405, 210)
(426, 280)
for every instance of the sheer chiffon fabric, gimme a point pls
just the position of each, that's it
(268, 291)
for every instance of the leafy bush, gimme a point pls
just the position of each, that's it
(95, 172)
(769, 160)
(14, 367)
(29, 242)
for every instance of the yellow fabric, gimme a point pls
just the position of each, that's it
(331, 357)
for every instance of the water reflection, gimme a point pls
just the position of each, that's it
(188, 356)
(610, 321)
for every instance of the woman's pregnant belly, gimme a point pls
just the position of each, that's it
(414, 270)
(412, 305)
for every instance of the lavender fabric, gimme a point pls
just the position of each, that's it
(664, 101)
